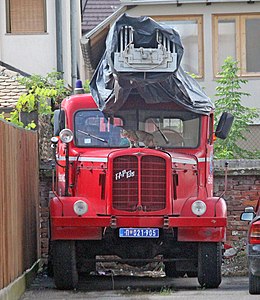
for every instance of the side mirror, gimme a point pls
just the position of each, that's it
(248, 214)
(224, 125)
(59, 121)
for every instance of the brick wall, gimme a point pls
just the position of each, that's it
(243, 189)
(45, 188)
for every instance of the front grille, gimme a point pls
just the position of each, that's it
(139, 183)
(125, 187)
(153, 183)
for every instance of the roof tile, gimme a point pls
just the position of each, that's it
(97, 11)
(10, 88)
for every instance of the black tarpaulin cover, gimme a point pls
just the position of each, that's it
(110, 89)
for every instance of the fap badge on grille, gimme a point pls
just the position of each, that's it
(124, 174)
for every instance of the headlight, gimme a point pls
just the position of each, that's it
(80, 207)
(66, 136)
(198, 208)
(54, 140)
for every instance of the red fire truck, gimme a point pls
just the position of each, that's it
(136, 184)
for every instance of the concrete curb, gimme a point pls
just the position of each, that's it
(16, 289)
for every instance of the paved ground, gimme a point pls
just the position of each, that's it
(146, 288)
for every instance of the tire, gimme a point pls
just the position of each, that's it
(64, 265)
(254, 284)
(209, 264)
(50, 260)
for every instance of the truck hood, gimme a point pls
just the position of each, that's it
(179, 159)
(101, 155)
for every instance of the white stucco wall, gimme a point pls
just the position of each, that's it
(36, 53)
(208, 82)
(31, 53)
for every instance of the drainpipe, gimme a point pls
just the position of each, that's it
(59, 51)
(74, 40)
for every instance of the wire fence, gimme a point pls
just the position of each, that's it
(252, 142)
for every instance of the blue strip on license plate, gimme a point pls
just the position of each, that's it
(139, 232)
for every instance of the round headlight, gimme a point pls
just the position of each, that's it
(80, 207)
(66, 136)
(198, 208)
(54, 140)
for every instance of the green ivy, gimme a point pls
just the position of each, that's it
(229, 96)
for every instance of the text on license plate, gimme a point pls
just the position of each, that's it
(139, 232)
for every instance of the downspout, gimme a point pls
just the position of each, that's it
(74, 40)
(59, 50)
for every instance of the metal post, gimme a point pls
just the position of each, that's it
(67, 168)
(59, 50)
(74, 40)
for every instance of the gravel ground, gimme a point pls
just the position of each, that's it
(235, 266)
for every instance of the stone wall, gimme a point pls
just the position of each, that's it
(243, 189)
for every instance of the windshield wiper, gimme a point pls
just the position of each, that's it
(163, 135)
(93, 136)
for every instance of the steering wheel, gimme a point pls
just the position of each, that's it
(174, 138)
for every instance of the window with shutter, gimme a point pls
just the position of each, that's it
(26, 16)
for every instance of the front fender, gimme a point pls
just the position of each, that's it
(63, 206)
(216, 207)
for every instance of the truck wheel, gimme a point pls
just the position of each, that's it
(64, 265)
(50, 260)
(254, 284)
(209, 264)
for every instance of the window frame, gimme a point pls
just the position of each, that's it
(29, 32)
(240, 38)
(199, 20)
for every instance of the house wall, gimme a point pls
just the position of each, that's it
(36, 53)
(31, 53)
(208, 82)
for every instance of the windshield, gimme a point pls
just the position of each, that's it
(137, 128)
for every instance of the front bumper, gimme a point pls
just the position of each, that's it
(189, 228)
(254, 259)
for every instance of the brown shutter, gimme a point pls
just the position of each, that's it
(27, 16)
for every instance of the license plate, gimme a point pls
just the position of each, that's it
(139, 232)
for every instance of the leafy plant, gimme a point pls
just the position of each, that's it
(42, 88)
(86, 86)
(44, 93)
(229, 99)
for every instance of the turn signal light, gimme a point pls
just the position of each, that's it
(254, 233)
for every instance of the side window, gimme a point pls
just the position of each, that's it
(211, 129)
(26, 16)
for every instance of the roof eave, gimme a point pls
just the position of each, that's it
(179, 2)
(98, 35)
(96, 30)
